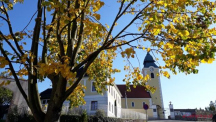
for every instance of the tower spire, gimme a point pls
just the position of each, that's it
(149, 61)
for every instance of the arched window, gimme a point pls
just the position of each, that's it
(152, 75)
(132, 104)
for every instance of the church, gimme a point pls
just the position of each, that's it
(138, 96)
(116, 100)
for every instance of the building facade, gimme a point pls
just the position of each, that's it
(109, 102)
(136, 99)
(116, 97)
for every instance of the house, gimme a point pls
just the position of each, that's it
(116, 99)
(109, 102)
(184, 112)
(190, 114)
(136, 99)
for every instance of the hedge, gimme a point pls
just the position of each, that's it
(77, 118)
(64, 118)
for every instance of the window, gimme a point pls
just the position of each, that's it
(109, 89)
(171, 110)
(132, 104)
(154, 110)
(119, 100)
(143, 104)
(152, 75)
(43, 101)
(93, 88)
(109, 106)
(112, 108)
(94, 105)
(114, 93)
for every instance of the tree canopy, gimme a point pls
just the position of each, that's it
(181, 31)
(5, 96)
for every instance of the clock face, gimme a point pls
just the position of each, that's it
(151, 69)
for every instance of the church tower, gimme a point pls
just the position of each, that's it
(152, 70)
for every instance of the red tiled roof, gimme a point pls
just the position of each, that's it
(138, 92)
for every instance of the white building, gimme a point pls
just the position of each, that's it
(109, 102)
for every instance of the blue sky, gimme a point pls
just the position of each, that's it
(184, 91)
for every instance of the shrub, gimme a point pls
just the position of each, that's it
(84, 117)
(26, 118)
(70, 118)
(14, 116)
(100, 114)
(105, 119)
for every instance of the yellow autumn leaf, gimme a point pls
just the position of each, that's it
(107, 26)
(21, 47)
(210, 60)
(203, 61)
(139, 28)
(160, 2)
(140, 77)
(82, 47)
(97, 16)
(166, 74)
(185, 33)
(146, 77)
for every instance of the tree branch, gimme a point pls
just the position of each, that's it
(44, 51)
(71, 89)
(29, 22)
(73, 36)
(131, 34)
(124, 43)
(112, 40)
(69, 48)
(51, 28)
(34, 98)
(10, 45)
(116, 19)
(4, 18)
(61, 46)
(14, 74)
(80, 39)
(11, 31)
